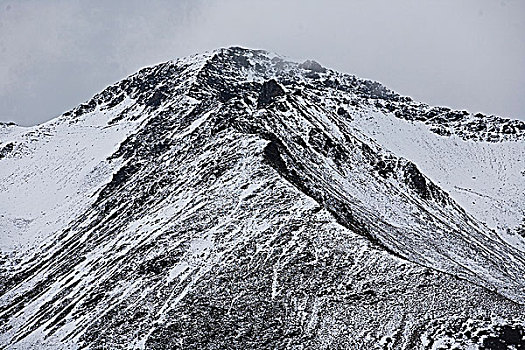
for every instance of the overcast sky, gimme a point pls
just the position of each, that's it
(467, 54)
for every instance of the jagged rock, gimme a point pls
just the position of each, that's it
(6, 149)
(416, 180)
(156, 99)
(269, 90)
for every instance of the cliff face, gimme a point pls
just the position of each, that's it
(237, 200)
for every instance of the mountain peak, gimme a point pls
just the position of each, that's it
(237, 199)
(221, 72)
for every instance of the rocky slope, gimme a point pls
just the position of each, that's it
(237, 200)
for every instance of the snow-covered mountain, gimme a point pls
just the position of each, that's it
(234, 199)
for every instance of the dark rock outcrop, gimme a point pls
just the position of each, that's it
(269, 90)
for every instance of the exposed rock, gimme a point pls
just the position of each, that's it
(197, 205)
(312, 66)
(6, 149)
(269, 90)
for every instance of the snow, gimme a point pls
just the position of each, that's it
(209, 220)
(194, 125)
(55, 177)
(485, 178)
(176, 271)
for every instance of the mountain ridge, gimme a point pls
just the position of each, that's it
(212, 147)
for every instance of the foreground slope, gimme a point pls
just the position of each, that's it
(236, 200)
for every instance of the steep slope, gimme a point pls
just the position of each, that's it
(485, 178)
(49, 171)
(236, 200)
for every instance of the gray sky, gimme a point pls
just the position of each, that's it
(467, 54)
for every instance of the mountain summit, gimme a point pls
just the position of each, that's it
(236, 200)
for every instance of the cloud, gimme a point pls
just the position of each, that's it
(465, 54)
(57, 54)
